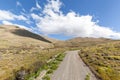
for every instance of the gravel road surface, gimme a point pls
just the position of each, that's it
(72, 68)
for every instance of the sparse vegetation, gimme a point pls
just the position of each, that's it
(31, 61)
(49, 67)
(87, 77)
(46, 77)
(23, 55)
(103, 60)
(53, 65)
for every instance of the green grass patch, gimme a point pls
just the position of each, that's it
(87, 77)
(46, 77)
(49, 67)
(49, 71)
(53, 65)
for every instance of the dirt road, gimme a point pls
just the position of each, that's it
(72, 68)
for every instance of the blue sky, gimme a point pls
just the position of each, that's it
(64, 19)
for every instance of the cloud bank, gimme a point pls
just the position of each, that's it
(70, 24)
(7, 15)
(21, 26)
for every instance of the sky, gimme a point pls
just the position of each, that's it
(64, 19)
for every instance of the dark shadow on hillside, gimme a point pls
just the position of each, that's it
(26, 33)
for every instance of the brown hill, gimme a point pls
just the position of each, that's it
(20, 48)
(81, 42)
(12, 36)
(86, 39)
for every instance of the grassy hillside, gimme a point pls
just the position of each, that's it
(81, 42)
(22, 52)
(103, 59)
(15, 36)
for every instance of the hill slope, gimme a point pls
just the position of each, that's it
(103, 60)
(81, 42)
(10, 35)
(15, 36)
(22, 51)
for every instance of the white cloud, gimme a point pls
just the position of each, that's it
(37, 5)
(53, 5)
(21, 26)
(33, 8)
(70, 24)
(20, 17)
(18, 3)
(7, 23)
(23, 10)
(35, 17)
(7, 15)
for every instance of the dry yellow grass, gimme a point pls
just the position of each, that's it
(20, 48)
(104, 60)
(14, 36)
(11, 62)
